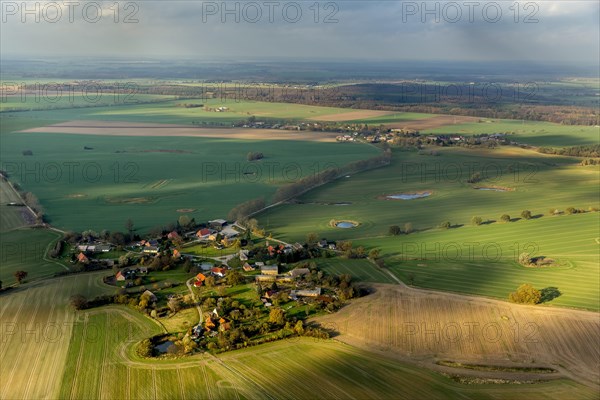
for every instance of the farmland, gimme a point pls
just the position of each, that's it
(36, 332)
(483, 259)
(361, 270)
(431, 326)
(12, 216)
(536, 183)
(252, 373)
(117, 178)
(25, 249)
(150, 165)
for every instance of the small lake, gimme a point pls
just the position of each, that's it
(162, 347)
(345, 224)
(408, 196)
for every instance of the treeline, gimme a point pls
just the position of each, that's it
(592, 151)
(241, 211)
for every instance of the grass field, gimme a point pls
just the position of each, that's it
(25, 249)
(43, 99)
(168, 112)
(538, 182)
(12, 217)
(539, 185)
(149, 179)
(361, 270)
(483, 260)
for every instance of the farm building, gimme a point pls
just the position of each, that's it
(176, 253)
(269, 270)
(244, 255)
(120, 276)
(217, 223)
(200, 277)
(150, 249)
(218, 271)
(247, 267)
(173, 235)
(229, 232)
(305, 293)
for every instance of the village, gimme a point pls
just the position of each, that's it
(260, 290)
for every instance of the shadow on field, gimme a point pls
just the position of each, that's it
(549, 294)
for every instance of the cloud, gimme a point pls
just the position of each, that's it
(383, 30)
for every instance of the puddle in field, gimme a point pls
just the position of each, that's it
(408, 196)
(493, 189)
(346, 224)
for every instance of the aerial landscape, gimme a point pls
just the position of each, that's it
(300, 200)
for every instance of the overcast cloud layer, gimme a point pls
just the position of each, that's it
(541, 31)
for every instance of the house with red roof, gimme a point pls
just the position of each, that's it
(120, 276)
(218, 271)
(82, 258)
(203, 233)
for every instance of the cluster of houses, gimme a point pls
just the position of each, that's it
(213, 324)
(217, 272)
(88, 250)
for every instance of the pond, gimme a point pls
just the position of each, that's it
(408, 196)
(162, 347)
(345, 224)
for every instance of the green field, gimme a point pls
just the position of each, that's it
(25, 249)
(535, 133)
(539, 183)
(149, 179)
(482, 260)
(361, 270)
(11, 217)
(168, 112)
(51, 100)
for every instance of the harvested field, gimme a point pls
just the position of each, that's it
(429, 326)
(113, 128)
(353, 115)
(432, 122)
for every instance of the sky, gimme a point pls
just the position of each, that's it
(538, 31)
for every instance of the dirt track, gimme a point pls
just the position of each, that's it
(116, 128)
